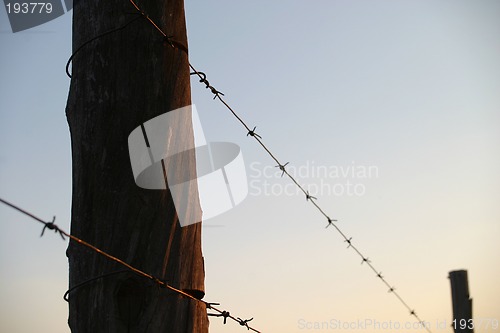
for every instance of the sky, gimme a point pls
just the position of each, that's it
(388, 112)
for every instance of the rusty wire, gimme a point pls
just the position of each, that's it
(52, 226)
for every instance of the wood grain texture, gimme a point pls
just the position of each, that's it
(118, 82)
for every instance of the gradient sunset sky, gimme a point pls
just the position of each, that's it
(410, 88)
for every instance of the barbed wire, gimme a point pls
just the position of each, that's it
(312, 200)
(52, 226)
(282, 166)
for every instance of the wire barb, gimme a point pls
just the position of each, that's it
(210, 305)
(310, 197)
(282, 168)
(245, 322)
(52, 226)
(252, 133)
(224, 314)
(330, 222)
(203, 79)
(367, 260)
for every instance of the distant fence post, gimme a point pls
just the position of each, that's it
(462, 303)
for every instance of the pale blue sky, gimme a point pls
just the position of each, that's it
(411, 87)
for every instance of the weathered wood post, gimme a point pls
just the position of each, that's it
(119, 81)
(462, 303)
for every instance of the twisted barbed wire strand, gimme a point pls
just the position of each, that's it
(163, 284)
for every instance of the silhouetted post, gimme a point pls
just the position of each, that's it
(462, 303)
(119, 81)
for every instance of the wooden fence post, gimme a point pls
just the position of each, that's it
(462, 303)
